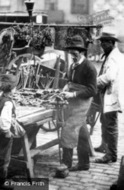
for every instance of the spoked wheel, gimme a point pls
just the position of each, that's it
(92, 116)
(32, 72)
(50, 126)
(56, 123)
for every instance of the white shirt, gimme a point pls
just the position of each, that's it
(6, 116)
(113, 74)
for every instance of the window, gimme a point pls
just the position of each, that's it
(51, 4)
(80, 7)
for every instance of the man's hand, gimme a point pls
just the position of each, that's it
(68, 94)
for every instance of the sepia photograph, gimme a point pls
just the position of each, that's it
(61, 95)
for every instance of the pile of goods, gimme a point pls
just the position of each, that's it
(39, 97)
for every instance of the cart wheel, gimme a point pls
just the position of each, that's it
(92, 116)
(26, 57)
(31, 69)
(120, 182)
(50, 126)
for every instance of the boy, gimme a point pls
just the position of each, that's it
(8, 84)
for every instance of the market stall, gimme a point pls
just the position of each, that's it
(32, 122)
(40, 81)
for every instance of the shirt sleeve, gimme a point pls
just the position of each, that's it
(110, 74)
(6, 116)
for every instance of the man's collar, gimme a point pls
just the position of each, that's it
(74, 65)
(81, 59)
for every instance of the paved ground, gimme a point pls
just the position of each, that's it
(99, 176)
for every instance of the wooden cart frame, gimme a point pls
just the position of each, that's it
(47, 115)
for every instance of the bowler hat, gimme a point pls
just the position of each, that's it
(108, 36)
(8, 80)
(76, 42)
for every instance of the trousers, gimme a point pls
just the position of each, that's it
(82, 150)
(5, 156)
(109, 129)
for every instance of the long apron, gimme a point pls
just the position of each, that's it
(75, 115)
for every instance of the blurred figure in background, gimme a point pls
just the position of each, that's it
(108, 86)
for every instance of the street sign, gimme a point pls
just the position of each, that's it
(101, 17)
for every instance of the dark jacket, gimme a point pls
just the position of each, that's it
(84, 74)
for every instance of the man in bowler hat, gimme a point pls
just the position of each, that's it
(79, 90)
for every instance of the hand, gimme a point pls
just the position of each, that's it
(68, 94)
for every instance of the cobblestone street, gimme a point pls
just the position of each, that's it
(99, 176)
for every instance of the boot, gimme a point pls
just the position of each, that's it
(83, 160)
(67, 157)
(105, 159)
(83, 163)
(102, 148)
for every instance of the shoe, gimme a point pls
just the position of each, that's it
(79, 168)
(62, 171)
(105, 160)
(100, 149)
